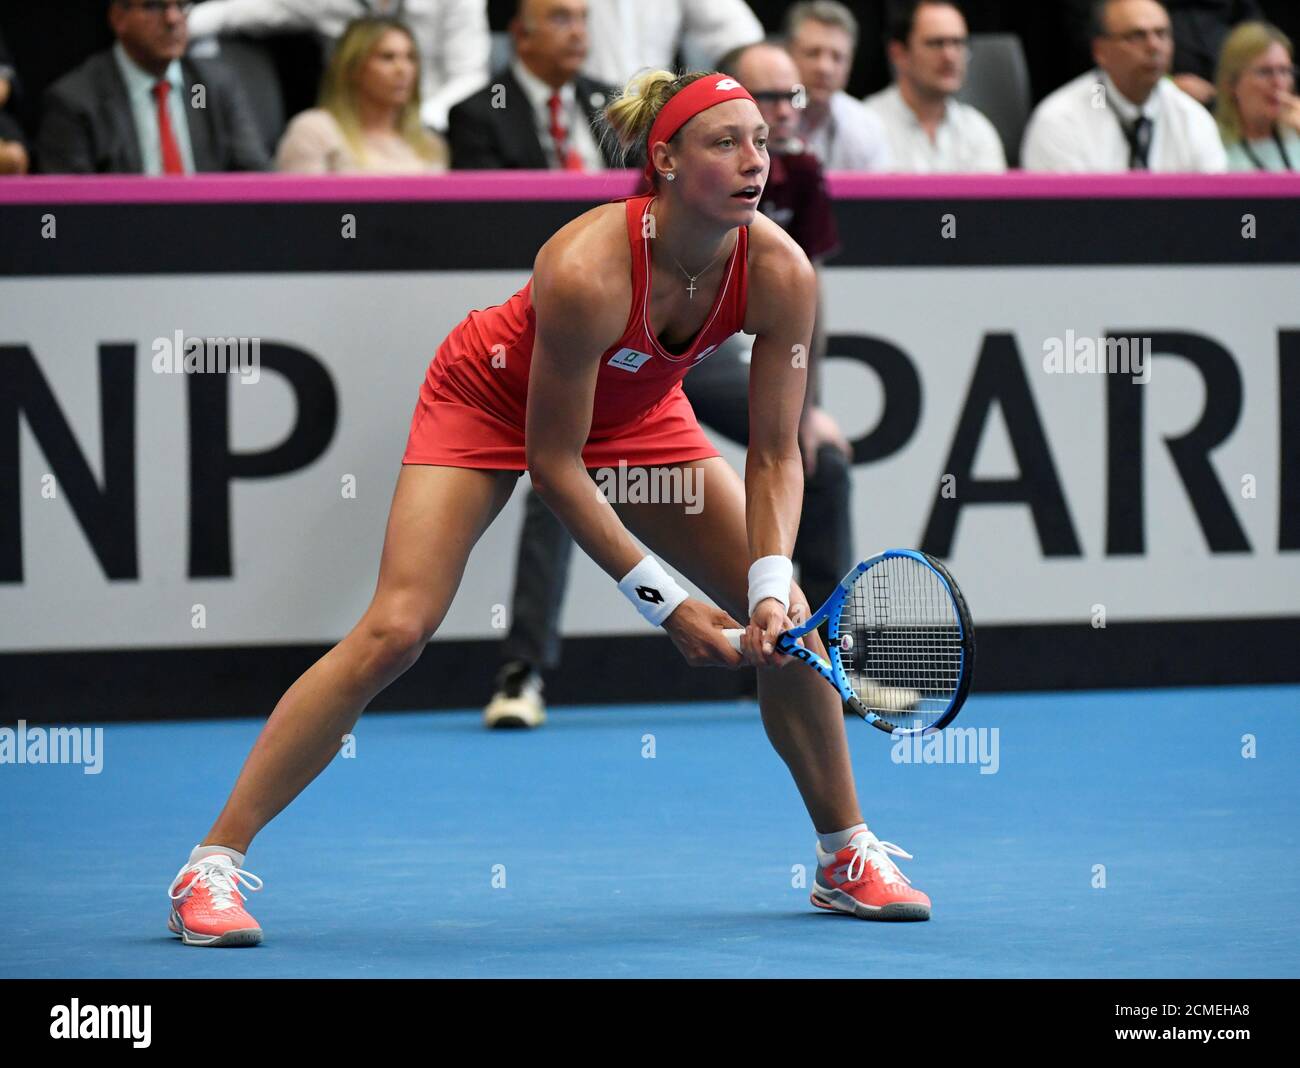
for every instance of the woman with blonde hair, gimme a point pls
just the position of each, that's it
(582, 369)
(1257, 110)
(369, 113)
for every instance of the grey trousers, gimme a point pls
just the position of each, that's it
(718, 390)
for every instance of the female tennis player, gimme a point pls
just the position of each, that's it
(581, 369)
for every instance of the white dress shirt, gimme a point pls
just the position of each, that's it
(572, 118)
(144, 111)
(451, 36)
(851, 138)
(965, 142)
(626, 35)
(1077, 129)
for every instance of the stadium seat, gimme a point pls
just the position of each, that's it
(998, 85)
(253, 62)
(501, 51)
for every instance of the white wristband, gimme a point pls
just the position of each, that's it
(770, 576)
(653, 592)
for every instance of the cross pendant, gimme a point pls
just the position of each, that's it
(690, 289)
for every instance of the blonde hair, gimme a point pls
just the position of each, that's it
(1244, 45)
(339, 89)
(626, 121)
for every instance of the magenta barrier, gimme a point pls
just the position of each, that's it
(558, 185)
(297, 188)
(1021, 185)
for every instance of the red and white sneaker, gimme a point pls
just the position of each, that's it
(863, 881)
(207, 907)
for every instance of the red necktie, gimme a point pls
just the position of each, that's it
(171, 151)
(568, 157)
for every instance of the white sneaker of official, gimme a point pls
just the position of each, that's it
(517, 703)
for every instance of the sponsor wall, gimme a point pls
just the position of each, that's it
(146, 511)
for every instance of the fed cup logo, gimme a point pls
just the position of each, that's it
(723, 84)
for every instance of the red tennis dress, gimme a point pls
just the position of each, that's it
(472, 402)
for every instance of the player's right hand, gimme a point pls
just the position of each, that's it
(696, 629)
(759, 640)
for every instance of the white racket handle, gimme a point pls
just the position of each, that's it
(733, 638)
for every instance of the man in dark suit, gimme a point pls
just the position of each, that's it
(141, 108)
(538, 112)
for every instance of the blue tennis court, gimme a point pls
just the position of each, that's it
(618, 863)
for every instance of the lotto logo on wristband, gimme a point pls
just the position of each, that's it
(652, 591)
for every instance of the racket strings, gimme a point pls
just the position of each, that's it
(901, 642)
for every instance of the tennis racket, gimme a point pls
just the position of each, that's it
(901, 643)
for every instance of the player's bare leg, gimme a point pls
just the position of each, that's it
(438, 513)
(803, 717)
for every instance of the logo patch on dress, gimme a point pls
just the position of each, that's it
(628, 360)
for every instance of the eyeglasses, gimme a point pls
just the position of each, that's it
(566, 20)
(1269, 73)
(938, 44)
(1162, 35)
(775, 96)
(162, 7)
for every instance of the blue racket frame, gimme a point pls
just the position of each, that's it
(833, 672)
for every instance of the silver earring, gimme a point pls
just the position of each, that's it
(670, 176)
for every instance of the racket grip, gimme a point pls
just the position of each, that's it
(732, 635)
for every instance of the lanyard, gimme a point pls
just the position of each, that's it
(1259, 164)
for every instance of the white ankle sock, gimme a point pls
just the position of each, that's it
(837, 840)
(201, 851)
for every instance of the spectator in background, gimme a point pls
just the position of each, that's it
(1257, 110)
(821, 36)
(1127, 114)
(13, 146)
(451, 36)
(369, 114)
(627, 35)
(140, 108)
(929, 130)
(1199, 27)
(539, 111)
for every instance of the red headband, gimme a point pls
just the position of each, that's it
(685, 104)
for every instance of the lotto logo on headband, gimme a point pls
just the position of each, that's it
(723, 84)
